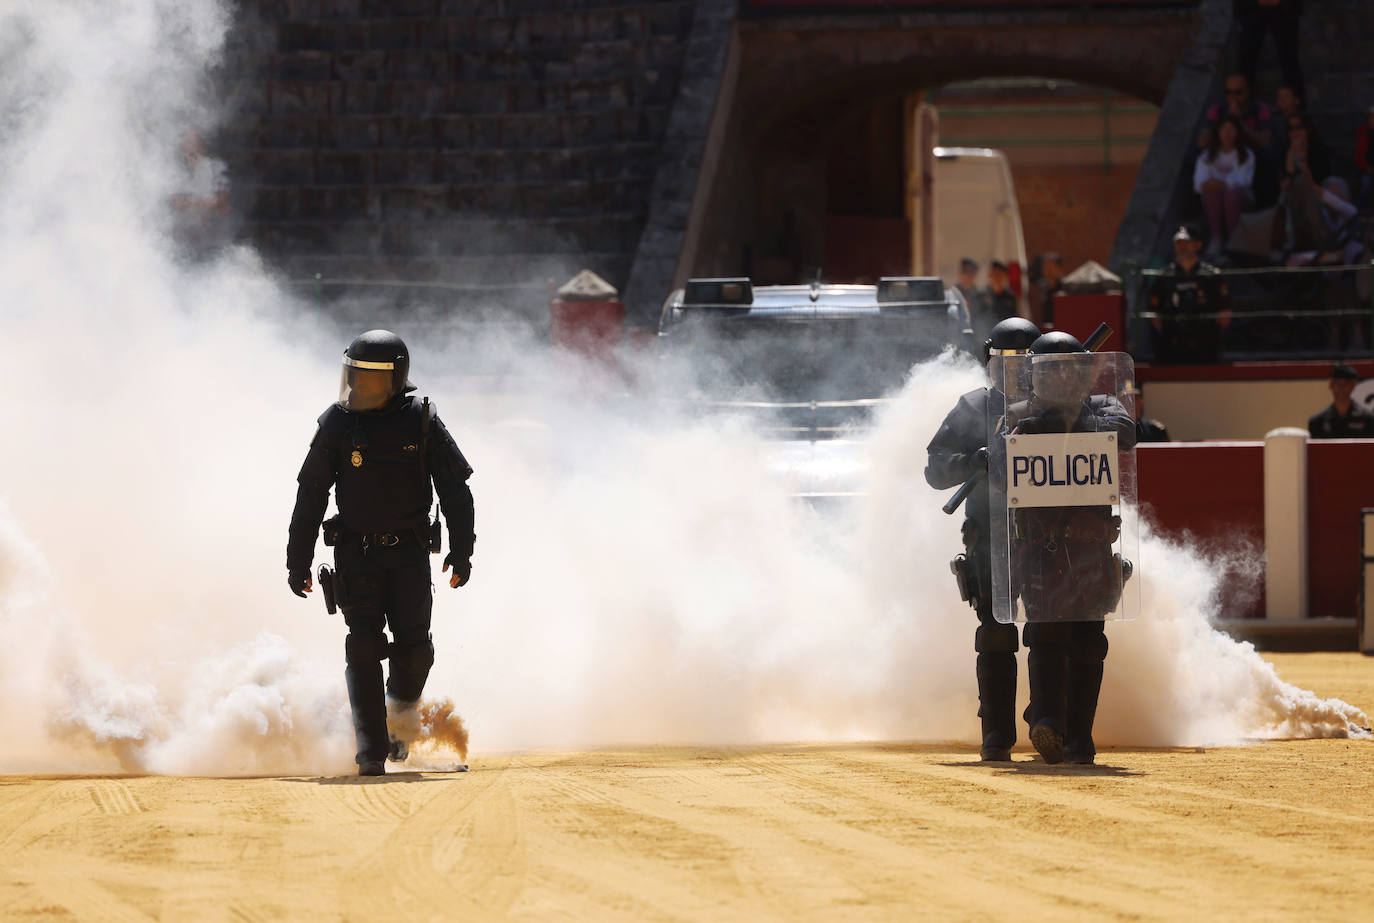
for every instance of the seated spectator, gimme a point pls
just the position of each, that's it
(1001, 300)
(1364, 163)
(1306, 164)
(1287, 104)
(1191, 304)
(1338, 241)
(1257, 120)
(1306, 152)
(1222, 176)
(1344, 418)
(1046, 273)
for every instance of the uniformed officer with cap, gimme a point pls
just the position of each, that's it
(380, 448)
(958, 452)
(1344, 418)
(1192, 305)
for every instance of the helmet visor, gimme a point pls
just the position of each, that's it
(1062, 380)
(366, 385)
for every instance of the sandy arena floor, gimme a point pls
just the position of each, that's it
(874, 832)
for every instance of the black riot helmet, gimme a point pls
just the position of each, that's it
(376, 368)
(1011, 337)
(1060, 374)
(1056, 341)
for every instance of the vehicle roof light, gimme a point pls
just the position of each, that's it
(719, 293)
(911, 290)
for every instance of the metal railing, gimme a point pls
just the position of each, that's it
(1274, 311)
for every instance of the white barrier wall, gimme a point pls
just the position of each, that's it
(1285, 523)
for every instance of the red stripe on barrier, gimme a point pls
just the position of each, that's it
(1213, 494)
(1339, 485)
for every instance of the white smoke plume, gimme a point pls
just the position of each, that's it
(641, 576)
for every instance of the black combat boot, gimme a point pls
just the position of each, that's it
(369, 711)
(997, 705)
(1046, 666)
(1085, 683)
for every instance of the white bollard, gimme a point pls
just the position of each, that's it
(1285, 524)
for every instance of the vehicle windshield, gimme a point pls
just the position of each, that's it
(845, 364)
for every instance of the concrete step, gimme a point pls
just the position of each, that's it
(395, 97)
(285, 132)
(470, 274)
(448, 238)
(435, 32)
(448, 171)
(631, 161)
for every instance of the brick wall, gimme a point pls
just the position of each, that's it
(1074, 209)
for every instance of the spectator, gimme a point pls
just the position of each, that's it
(1338, 242)
(1306, 152)
(1046, 273)
(1191, 304)
(1306, 164)
(1287, 104)
(1256, 119)
(968, 282)
(1222, 176)
(1344, 418)
(1001, 301)
(1364, 162)
(1280, 17)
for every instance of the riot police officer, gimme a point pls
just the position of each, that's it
(1065, 571)
(957, 453)
(380, 448)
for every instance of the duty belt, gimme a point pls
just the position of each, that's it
(384, 539)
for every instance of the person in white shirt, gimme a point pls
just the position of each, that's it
(1223, 177)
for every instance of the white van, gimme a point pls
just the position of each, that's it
(975, 215)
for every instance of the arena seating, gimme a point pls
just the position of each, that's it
(491, 145)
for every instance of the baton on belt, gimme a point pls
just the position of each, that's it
(1092, 344)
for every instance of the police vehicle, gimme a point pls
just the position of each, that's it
(810, 363)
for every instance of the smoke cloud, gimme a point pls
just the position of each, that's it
(641, 573)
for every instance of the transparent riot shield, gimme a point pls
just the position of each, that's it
(1062, 488)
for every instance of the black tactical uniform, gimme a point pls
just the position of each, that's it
(1331, 424)
(1181, 297)
(955, 454)
(380, 448)
(1068, 578)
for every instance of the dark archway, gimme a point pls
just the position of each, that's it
(804, 87)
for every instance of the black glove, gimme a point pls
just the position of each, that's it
(462, 566)
(298, 581)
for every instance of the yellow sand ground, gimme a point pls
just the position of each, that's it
(848, 832)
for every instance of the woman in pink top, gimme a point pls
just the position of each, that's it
(1223, 176)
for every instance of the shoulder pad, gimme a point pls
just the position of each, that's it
(331, 422)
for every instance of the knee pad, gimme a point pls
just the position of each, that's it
(412, 657)
(364, 647)
(1089, 646)
(996, 639)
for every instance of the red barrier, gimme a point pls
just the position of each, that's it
(1338, 486)
(1214, 493)
(1080, 315)
(592, 328)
